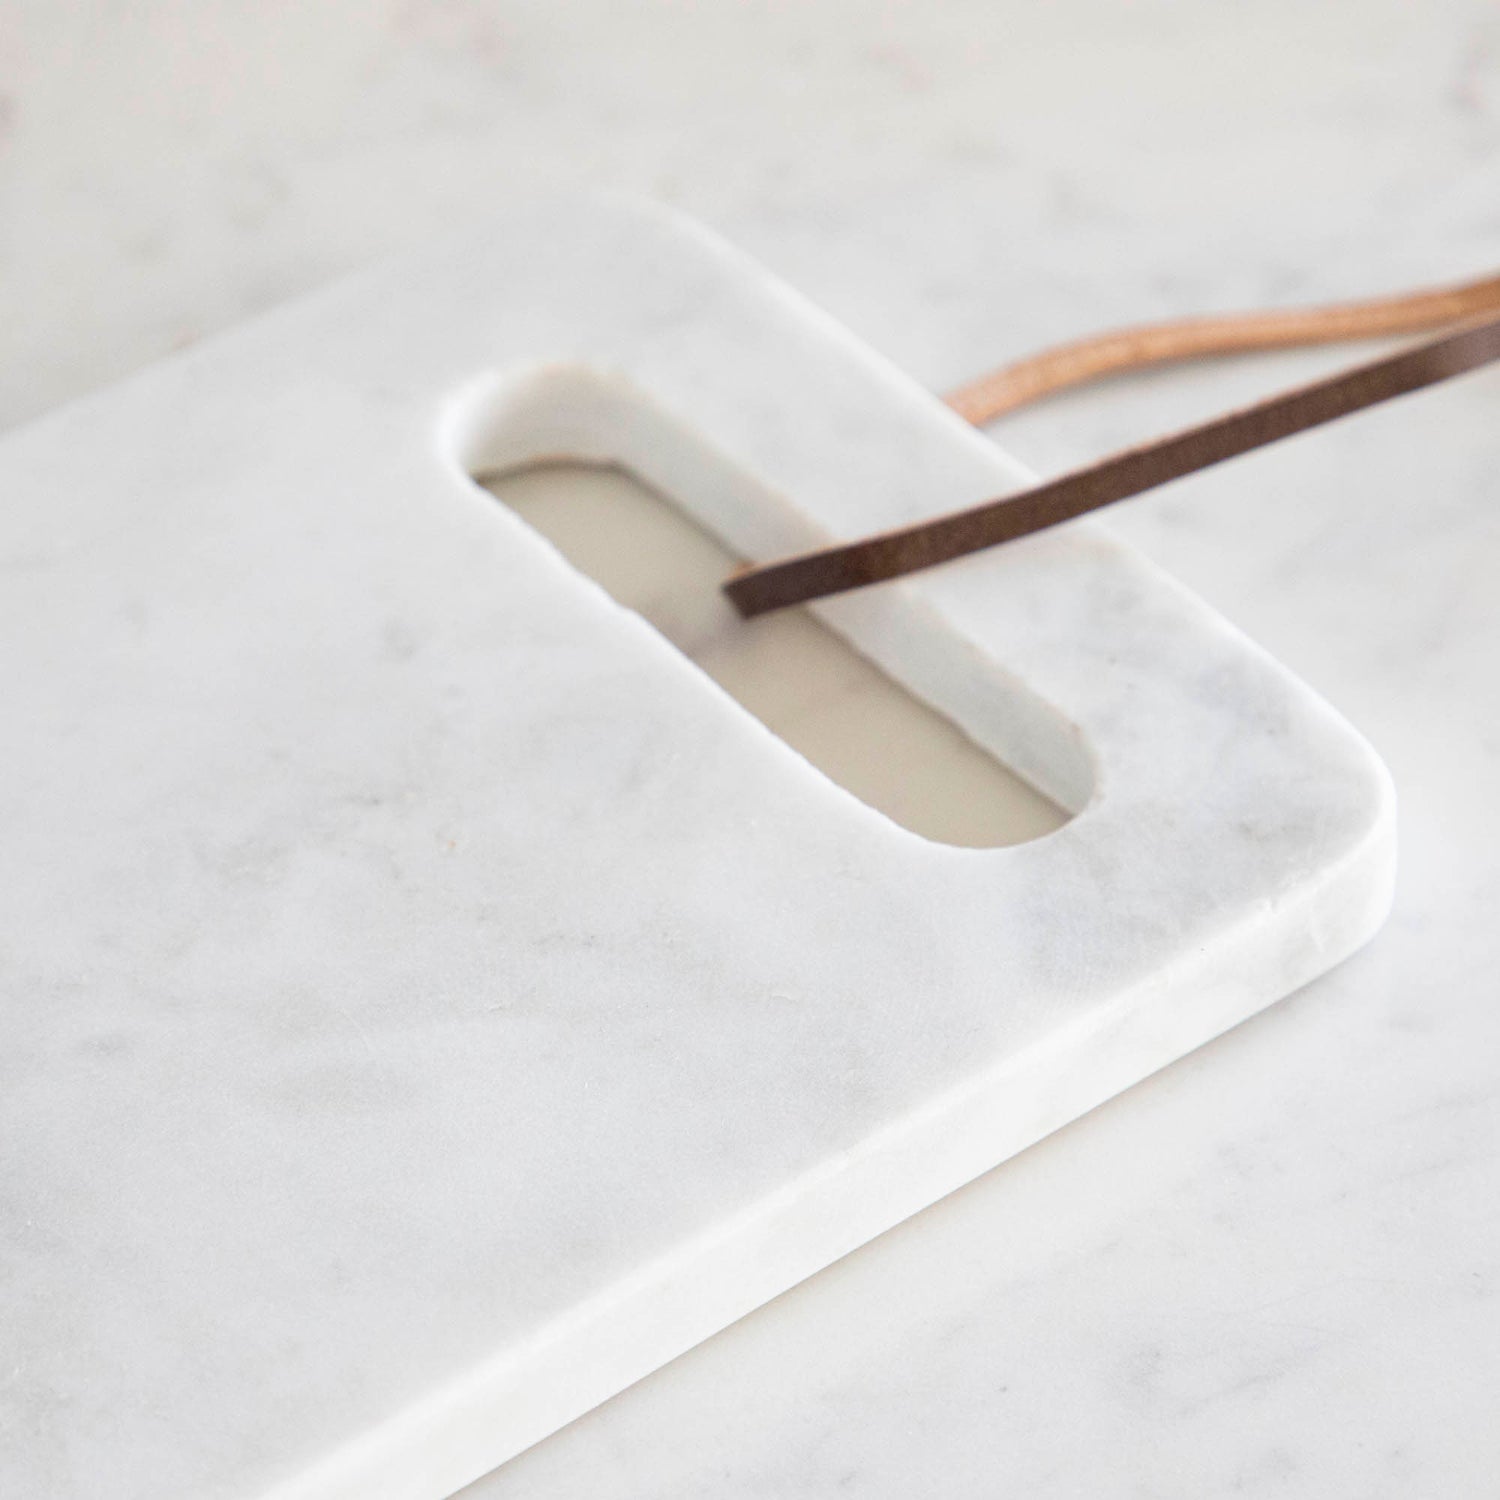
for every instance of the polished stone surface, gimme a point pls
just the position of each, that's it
(432, 1003)
(1271, 1270)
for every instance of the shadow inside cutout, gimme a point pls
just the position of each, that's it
(832, 705)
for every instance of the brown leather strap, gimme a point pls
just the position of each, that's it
(1112, 353)
(834, 570)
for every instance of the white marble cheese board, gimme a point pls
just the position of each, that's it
(427, 1002)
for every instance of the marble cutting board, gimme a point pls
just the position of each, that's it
(428, 1003)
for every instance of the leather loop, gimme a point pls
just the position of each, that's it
(1123, 349)
(852, 565)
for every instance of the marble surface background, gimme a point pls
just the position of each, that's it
(1275, 1269)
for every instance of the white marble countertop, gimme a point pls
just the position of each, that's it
(1274, 1268)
